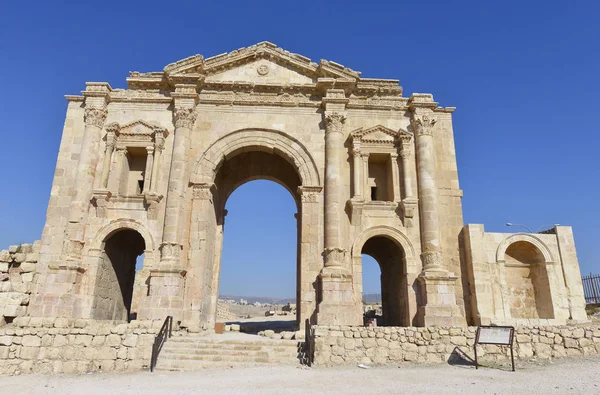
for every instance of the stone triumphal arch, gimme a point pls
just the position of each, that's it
(148, 170)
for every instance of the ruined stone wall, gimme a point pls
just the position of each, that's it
(336, 345)
(18, 267)
(223, 313)
(48, 345)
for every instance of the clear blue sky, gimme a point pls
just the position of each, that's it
(522, 74)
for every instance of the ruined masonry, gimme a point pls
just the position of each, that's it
(148, 170)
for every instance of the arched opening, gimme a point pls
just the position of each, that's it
(116, 275)
(259, 242)
(528, 293)
(394, 288)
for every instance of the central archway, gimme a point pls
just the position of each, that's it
(238, 158)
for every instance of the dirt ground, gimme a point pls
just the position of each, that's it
(575, 376)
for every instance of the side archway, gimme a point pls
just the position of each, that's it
(394, 254)
(118, 286)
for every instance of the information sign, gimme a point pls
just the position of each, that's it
(498, 335)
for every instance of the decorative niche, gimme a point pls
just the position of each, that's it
(375, 171)
(130, 170)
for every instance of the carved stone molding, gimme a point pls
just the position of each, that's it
(356, 209)
(185, 117)
(423, 125)
(73, 249)
(334, 256)
(170, 251)
(310, 194)
(100, 198)
(152, 199)
(95, 116)
(335, 121)
(202, 191)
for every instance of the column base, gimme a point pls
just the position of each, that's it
(165, 295)
(337, 305)
(438, 295)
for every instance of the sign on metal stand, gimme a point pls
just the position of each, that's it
(497, 335)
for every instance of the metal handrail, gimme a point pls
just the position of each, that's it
(165, 332)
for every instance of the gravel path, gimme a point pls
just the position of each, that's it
(575, 376)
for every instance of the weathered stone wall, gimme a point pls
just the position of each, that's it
(46, 345)
(223, 313)
(18, 267)
(336, 345)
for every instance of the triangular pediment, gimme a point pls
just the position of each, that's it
(263, 62)
(380, 135)
(136, 128)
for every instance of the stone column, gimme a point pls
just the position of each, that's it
(430, 232)
(95, 112)
(365, 176)
(171, 246)
(409, 202)
(337, 305)
(437, 283)
(116, 175)
(159, 146)
(149, 168)
(357, 167)
(110, 146)
(395, 177)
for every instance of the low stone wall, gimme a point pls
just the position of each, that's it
(335, 345)
(60, 345)
(17, 272)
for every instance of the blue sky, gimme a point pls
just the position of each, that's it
(522, 74)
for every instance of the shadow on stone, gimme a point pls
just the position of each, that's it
(459, 358)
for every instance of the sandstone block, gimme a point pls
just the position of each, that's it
(6, 340)
(29, 352)
(31, 341)
(113, 340)
(130, 340)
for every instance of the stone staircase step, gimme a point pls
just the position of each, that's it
(188, 353)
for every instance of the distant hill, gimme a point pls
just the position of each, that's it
(259, 299)
(371, 298)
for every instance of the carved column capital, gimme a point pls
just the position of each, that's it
(185, 117)
(334, 256)
(406, 151)
(432, 260)
(423, 125)
(95, 116)
(334, 121)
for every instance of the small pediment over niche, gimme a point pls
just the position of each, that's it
(137, 133)
(380, 135)
(136, 128)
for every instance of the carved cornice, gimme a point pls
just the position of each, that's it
(185, 117)
(202, 191)
(423, 125)
(95, 116)
(310, 194)
(334, 121)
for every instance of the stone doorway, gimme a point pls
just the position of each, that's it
(394, 287)
(116, 275)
